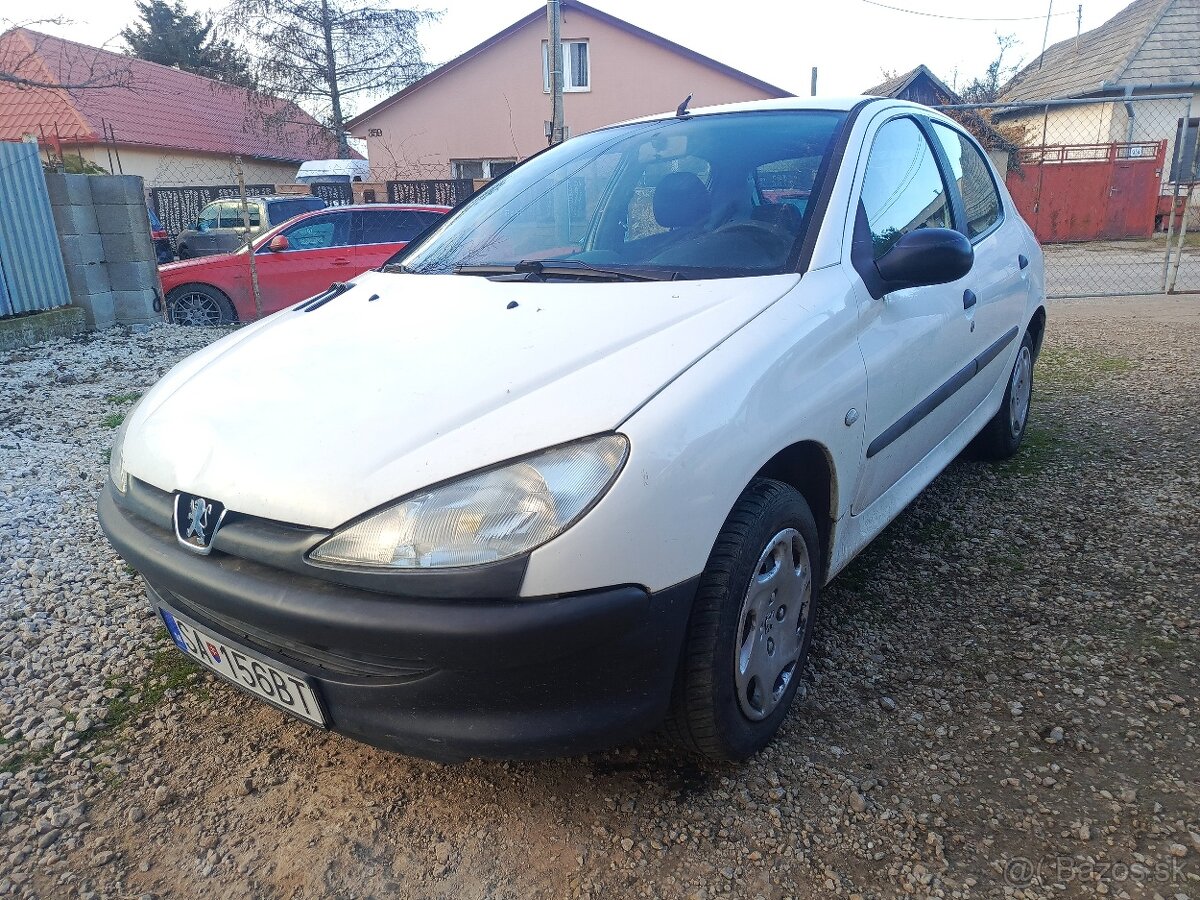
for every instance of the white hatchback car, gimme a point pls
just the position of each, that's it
(579, 462)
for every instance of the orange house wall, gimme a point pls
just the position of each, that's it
(493, 105)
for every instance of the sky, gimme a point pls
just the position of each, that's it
(851, 42)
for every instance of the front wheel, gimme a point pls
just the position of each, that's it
(751, 626)
(201, 305)
(1002, 435)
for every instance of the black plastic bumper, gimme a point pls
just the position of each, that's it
(439, 678)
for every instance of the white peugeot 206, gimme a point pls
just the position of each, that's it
(578, 462)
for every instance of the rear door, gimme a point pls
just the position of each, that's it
(914, 341)
(379, 233)
(319, 253)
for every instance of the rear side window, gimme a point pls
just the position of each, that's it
(389, 226)
(281, 210)
(970, 170)
(903, 189)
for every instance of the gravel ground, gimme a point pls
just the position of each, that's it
(999, 703)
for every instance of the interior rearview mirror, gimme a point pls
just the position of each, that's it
(925, 257)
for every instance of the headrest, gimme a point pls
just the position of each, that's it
(680, 200)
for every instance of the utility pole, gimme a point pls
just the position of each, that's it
(554, 62)
(1078, 25)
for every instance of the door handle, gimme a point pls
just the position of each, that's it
(341, 261)
(1022, 260)
(969, 298)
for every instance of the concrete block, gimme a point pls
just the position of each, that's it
(133, 307)
(74, 219)
(122, 218)
(88, 278)
(25, 331)
(98, 309)
(80, 249)
(68, 190)
(132, 276)
(128, 248)
(118, 189)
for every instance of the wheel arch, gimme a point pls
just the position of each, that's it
(168, 296)
(807, 466)
(1037, 329)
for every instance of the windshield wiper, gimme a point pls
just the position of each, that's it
(574, 268)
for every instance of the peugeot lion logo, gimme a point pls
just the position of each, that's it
(196, 521)
(200, 513)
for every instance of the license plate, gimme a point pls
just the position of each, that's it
(290, 691)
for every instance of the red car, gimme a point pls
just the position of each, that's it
(295, 260)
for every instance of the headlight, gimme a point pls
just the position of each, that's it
(116, 456)
(485, 517)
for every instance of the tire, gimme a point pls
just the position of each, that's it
(720, 708)
(1002, 435)
(201, 305)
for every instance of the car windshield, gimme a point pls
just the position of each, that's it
(720, 195)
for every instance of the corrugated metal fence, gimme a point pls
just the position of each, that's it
(31, 266)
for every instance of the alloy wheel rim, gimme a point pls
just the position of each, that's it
(1020, 391)
(772, 624)
(195, 308)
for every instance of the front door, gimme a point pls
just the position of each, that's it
(914, 341)
(318, 254)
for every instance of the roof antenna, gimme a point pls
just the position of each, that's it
(682, 110)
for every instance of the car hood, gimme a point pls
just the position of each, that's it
(407, 380)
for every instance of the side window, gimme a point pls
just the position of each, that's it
(319, 233)
(209, 216)
(231, 215)
(903, 188)
(970, 170)
(388, 226)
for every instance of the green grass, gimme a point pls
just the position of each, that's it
(1078, 370)
(122, 399)
(113, 420)
(1040, 445)
(169, 670)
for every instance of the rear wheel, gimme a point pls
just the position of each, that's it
(750, 628)
(1002, 435)
(201, 305)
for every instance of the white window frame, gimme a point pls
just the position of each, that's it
(567, 88)
(485, 161)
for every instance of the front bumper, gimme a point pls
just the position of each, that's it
(444, 679)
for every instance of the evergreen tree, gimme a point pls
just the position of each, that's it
(170, 35)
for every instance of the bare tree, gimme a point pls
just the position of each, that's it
(323, 54)
(72, 67)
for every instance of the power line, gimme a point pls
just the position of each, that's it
(918, 12)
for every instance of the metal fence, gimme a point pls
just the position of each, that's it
(334, 193)
(32, 276)
(1108, 185)
(436, 192)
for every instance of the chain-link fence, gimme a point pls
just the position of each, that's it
(1108, 185)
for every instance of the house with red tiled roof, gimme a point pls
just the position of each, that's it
(166, 125)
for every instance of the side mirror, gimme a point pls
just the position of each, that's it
(198, 225)
(278, 244)
(924, 257)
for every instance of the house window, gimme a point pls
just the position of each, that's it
(577, 70)
(477, 169)
(1184, 165)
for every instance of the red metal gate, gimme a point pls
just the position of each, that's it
(1089, 192)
